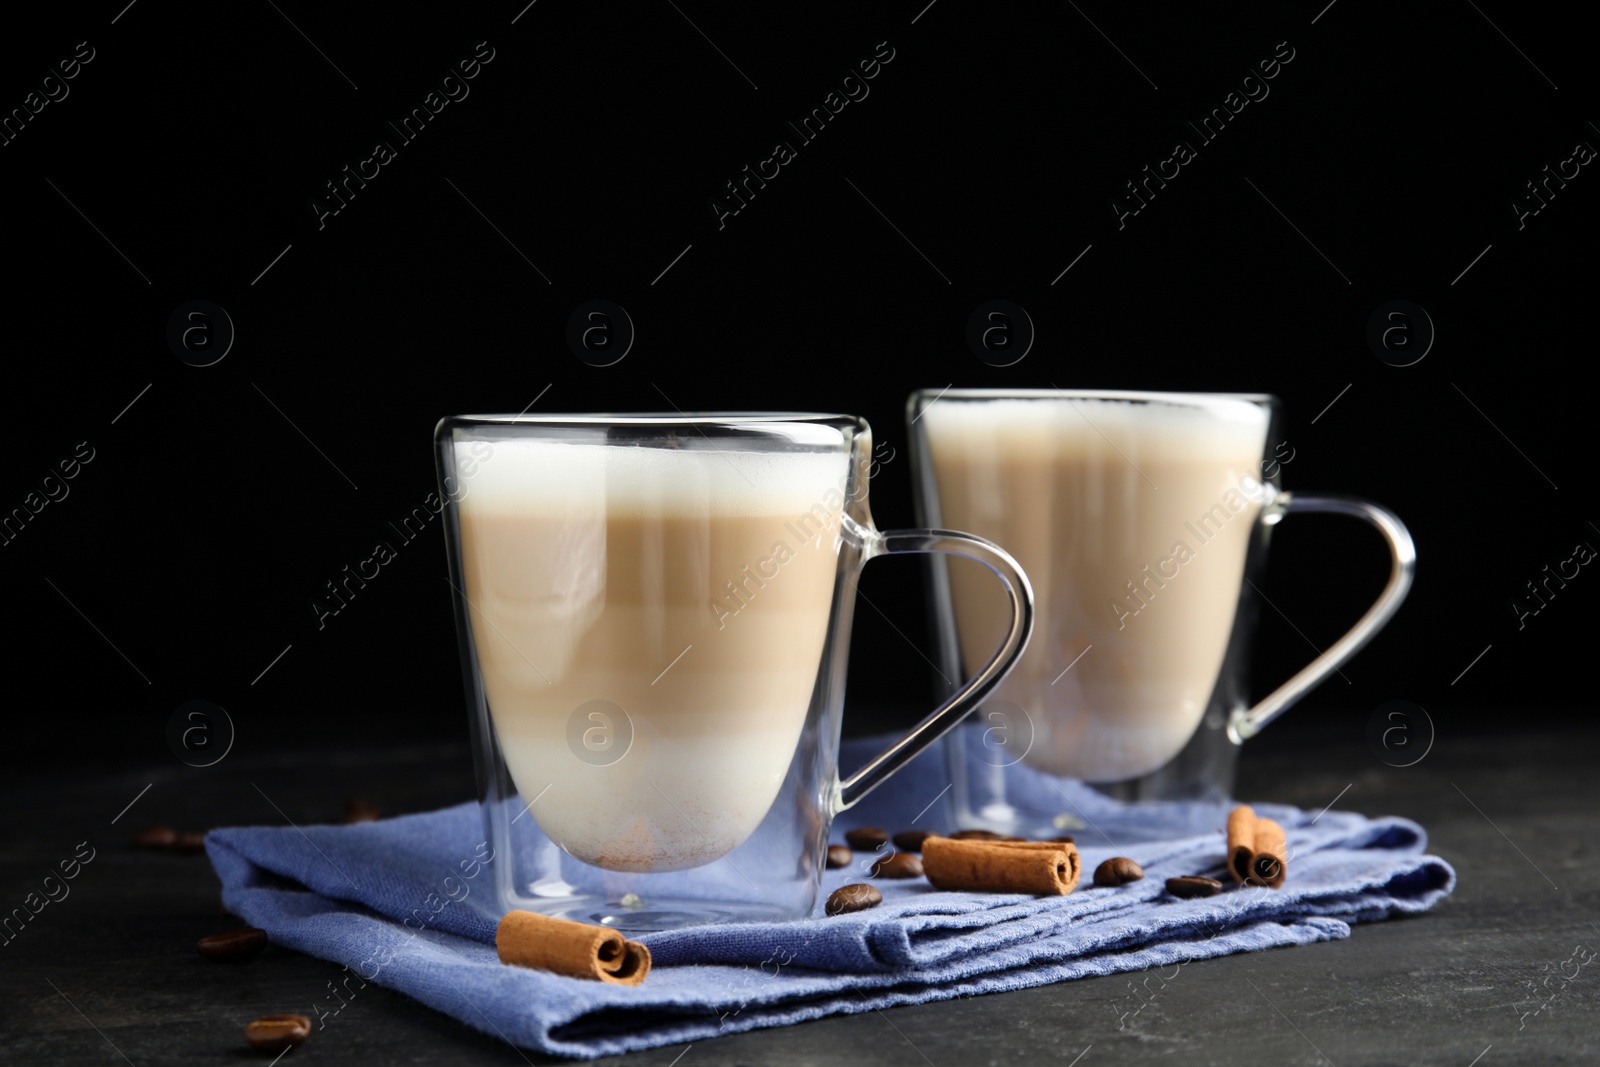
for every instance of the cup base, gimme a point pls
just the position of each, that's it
(1101, 821)
(651, 919)
(655, 915)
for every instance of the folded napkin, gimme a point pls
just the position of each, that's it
(403, 903)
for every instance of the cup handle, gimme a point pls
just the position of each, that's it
(1402, 561)
(1020, 597)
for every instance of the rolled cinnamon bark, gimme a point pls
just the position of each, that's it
(1043, 867)
(1269, 865)
(578, 950)
(1257, 852)
(1241, 841)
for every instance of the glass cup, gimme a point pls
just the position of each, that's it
(654, 617)
(1142, 520)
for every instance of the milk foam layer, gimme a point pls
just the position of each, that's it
(691, 590)
(526, 476)
(1217, 429)
(1132, 521)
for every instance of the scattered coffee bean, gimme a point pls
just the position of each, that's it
(867, 838)
(897, 865)
(274, 1033)
(155, 837)
(911, 840)
(190, 843)
(975, 835)
(1064, 839)
(1193, 886)
(1119, 870)
(358, 810)
(857, 897)
(838, 856)
(242, 944)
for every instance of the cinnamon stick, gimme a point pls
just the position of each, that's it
(1241, 841)
(1257, 849)
(1045, 867)
(1270, 864)
(578, 950)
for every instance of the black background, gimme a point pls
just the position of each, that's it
(981, 165)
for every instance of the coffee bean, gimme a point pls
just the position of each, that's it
(155, 837)
(838, 856)
(241, 944)
(190, 843)
(897, 865)
(1193, 886)
(976, 835)
(867, 838)
(274, 1033)
(357, 810)
(1064, 839)
(857, 897)
(1119, 870)
(911, 840)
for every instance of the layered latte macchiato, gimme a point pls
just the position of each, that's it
(1132, 520)
(689, 589)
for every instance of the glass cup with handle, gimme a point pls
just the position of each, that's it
(654, 615)
(1142, 520)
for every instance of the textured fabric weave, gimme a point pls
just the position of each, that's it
(374, 898)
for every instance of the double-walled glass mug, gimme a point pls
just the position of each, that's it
(1142, 520)
(654, 616)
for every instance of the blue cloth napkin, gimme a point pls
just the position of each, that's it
(402, 903)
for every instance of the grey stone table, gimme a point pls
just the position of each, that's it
(109, 974)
